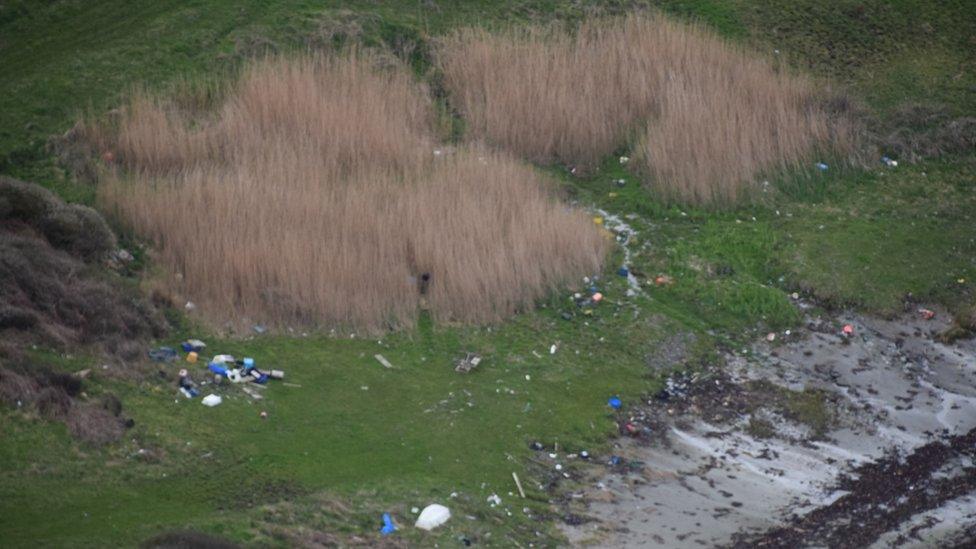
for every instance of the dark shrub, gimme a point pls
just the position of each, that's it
(53, 403)
(79, 230)
(69, 299)
(920, 130)
(17, 388)
(95, 425)
(24, 201)
(111, 404)
(17, 318)
(66, 382)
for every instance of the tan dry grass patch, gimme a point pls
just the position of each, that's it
(313, 196)
(706, 118)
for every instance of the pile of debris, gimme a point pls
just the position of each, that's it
(468, 363)
(222, 367)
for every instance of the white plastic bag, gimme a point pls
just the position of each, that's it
(433, 516)
(211, 400)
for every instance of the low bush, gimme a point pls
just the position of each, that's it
(75, 228)
(79, 230)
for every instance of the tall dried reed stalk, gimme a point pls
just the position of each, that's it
(705, 118)
(313, 197)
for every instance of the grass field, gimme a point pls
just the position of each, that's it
(355, 439)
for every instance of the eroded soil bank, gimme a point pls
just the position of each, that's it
(815, 439)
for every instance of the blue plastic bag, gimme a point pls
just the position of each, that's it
(388, 526)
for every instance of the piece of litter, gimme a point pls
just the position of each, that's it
(251, 392)
(263, 414)
(189, 306)
(848, 329)
(518, 484)
(382, 360)
(821, 166)
(552, 349)
(193, 345)
(614, 402)
(494, 500)
(624, 159)
(468, 363)
(211, 400)
(927, 314)
(415, 510)
(770, 337)
(388, 526)
(433, 516)
(559, 467)
(259, 329)
(528, 377)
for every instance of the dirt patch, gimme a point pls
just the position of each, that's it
(713, 394)
(321, 520)
(187, 539)
(59, 396)
(920, 130)
(821, 439)
(252, 493)
(675, 349)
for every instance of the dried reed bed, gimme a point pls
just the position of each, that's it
(706, 119)
(313, 197)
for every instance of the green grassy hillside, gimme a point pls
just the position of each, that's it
(352, 439)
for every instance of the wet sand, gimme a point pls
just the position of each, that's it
(897, 397)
